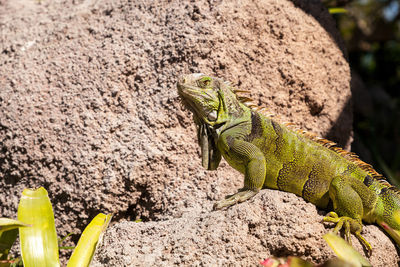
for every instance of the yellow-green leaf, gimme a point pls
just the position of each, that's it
(337, 10)
(7, 239)
(39, 244)
(8, 235)
(344, 251)
(89, 240)
(7, 224)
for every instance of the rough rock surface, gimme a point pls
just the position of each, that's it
(89, 108)
(272, 223)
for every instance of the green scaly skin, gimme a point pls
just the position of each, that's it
(270, 155)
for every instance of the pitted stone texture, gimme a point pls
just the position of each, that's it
(272, 223)
(89, 108)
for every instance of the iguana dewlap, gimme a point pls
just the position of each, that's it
(271, 155)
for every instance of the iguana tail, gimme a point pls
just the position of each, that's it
(395, 234)
(388, 212)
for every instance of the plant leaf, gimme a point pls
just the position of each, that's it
(344, 251)
(7, 239)
(337, 10)
(89, 240)
(39, 245)
(7, 224)
(8, 235)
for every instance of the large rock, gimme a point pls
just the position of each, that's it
(272, 223)
(89, 108)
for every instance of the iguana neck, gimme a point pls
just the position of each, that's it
(237, 119)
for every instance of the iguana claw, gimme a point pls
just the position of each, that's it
(240, 196)
(350, 226)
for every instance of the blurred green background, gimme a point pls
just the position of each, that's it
(371, 31)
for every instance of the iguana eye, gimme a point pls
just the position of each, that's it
(204, 82)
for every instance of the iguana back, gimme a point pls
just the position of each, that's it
(296, 163)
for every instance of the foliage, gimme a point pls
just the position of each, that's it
(37, 233)
(347, 256)
(371, 31)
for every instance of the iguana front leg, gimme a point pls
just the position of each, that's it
(246, 158)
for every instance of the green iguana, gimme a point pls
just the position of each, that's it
(272, 155)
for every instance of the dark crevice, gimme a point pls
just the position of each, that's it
(144, 209)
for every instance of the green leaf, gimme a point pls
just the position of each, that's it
(337, 10)
(8, 235)
(7, 239)
(7, 224)
(344, 251)
(90, 239)
(61, 240)
(67, 247)
(39, 245)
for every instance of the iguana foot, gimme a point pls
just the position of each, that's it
(350, 226)
(240, 196)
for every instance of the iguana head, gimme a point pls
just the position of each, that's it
(210, 99)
